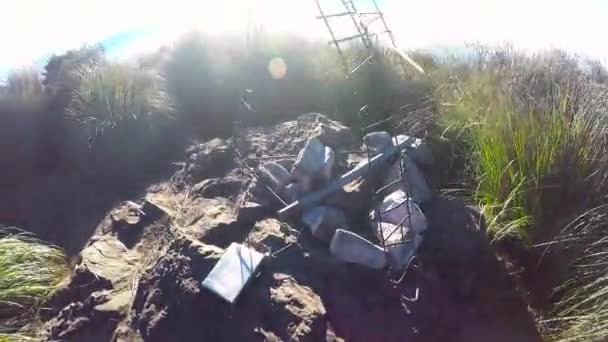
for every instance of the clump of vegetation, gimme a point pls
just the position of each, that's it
(109, 93)
(24, 84)
(29, 270)
(530, 131)
(534, 138)
(581, 309)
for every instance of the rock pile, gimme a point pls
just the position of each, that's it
(397, 222)
(139, 278)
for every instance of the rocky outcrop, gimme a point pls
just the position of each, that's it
(139, 277)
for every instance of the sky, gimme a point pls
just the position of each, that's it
(32, 30)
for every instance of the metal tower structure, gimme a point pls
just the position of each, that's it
(368, 25)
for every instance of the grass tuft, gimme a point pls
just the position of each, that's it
(111, 93)
(29, 271)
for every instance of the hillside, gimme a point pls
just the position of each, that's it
(126, 183)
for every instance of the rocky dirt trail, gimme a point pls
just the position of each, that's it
(139, 277)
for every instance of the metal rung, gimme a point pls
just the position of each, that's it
(341, 40)
(335, 15)
(369, 58)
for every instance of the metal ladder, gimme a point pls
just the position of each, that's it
(362, 22)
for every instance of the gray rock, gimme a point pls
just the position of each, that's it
(275, 175)
(350, 247)
(332, 133)
(292, 192)
(413, 182)
(311, 159)
(419, 151)
(377, 142)
(323, 221)
(302, 180)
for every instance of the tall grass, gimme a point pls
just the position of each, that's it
(29, 271)
(531, 131)
(581, 312)
(16, 338)
(533, 139)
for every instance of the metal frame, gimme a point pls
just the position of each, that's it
(361, 22)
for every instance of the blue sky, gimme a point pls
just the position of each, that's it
(35, 29)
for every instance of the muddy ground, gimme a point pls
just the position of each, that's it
(138, 278)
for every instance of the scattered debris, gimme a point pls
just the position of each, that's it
(362, 169)
(233, 271)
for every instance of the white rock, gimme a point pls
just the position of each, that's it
(351, 247)
(274, 174)
(401, 243)
(397, 207)
(323, 221)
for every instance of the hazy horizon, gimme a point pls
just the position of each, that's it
(67, 24)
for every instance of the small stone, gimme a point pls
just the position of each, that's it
(350, 247)
(323, 221)
(275, 175)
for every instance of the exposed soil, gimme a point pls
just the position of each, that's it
(139, 276)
